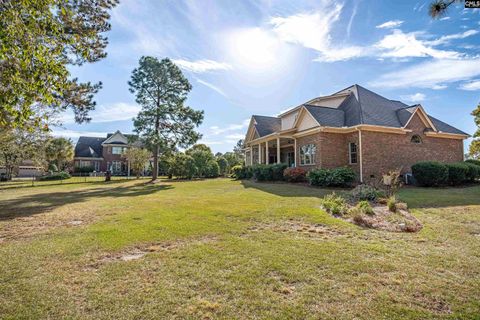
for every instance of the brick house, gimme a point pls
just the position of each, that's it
(354, 127)
(103, 153)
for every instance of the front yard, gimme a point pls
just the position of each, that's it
(230, 249)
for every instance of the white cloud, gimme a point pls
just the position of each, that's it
(470, 86)
(235, 136)
(417, 97)
(446, 39)
(200, 66)
(390, 24)
(74, 134)
(107, 113)
(216, 130)
(211, 86)
(312, 30)
(434, 74)
(444, 18)
(403, 45)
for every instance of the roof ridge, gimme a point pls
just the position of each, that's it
(359, 103)
(331, 108)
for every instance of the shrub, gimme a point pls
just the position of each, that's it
(238, 172)
(182, 166)
(341, 177)
(365, 207)
(295, 174)
(338, 177)
(457, 173)
(473, 171)
(212, 169)
(473, 161)
(430, 173)
(84, 169)
(334, 204)
(392, 204)
(366, 192)
(268, 172)
(55, 176)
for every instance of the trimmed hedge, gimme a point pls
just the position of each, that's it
(338, 177)
(295, 175)
(473, 161)
(268, 172)
(242, 172)
(430, 173)
(473, 171)
(56, 176)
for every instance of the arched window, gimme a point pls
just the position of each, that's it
(416, 139)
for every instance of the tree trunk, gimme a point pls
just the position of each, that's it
(155, 164)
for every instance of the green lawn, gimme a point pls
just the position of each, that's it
(230, 249)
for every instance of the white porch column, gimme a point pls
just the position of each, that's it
(266, 152)
(128, 168)
(278, 150)
(295, 152)
(251, 155)
(259, 154)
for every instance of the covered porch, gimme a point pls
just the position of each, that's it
(271, 150)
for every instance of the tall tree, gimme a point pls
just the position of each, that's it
(438, 8)
(40, 39)
(60, 151)
(17, 145)
(202, 156)
(474, 150)
(165, 121)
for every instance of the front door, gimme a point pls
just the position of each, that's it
(291, 159)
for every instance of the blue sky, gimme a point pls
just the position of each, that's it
(263, 57)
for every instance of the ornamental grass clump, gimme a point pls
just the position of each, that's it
(334, 204)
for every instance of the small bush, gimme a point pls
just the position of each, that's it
(457, 173)
(84, 169)
(366, 192)
(392, 204)
(268, 172)
(241, 172)
(473, 171)
(295, 174)
(338, 177)
(365, 207)
(56, 176)
(473, 161)
(430, 173)
(334, 204)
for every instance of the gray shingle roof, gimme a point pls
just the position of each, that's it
(326, 116)
(267, 125)
(89, 147)
(362, 106)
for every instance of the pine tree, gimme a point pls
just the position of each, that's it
(164, 122)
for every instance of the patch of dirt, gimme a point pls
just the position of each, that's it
(140, 251)
(432, 303)
(297, 227)
(384, 219)
(284, 286)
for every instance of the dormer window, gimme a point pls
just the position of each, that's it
(416, 139)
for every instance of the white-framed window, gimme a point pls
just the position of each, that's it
(307, 154)
(116, 166)
(118, 150)
(416, 139)
(96, 166)
(353, 153)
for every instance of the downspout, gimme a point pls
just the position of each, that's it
(360, 152)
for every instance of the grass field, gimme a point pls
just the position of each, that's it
(230, 249)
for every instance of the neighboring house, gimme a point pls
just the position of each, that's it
(354, 127)
(26, 169)
(103, 153)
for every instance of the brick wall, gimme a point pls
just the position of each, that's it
(383, 152)
(109, 157)
(332, 150)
